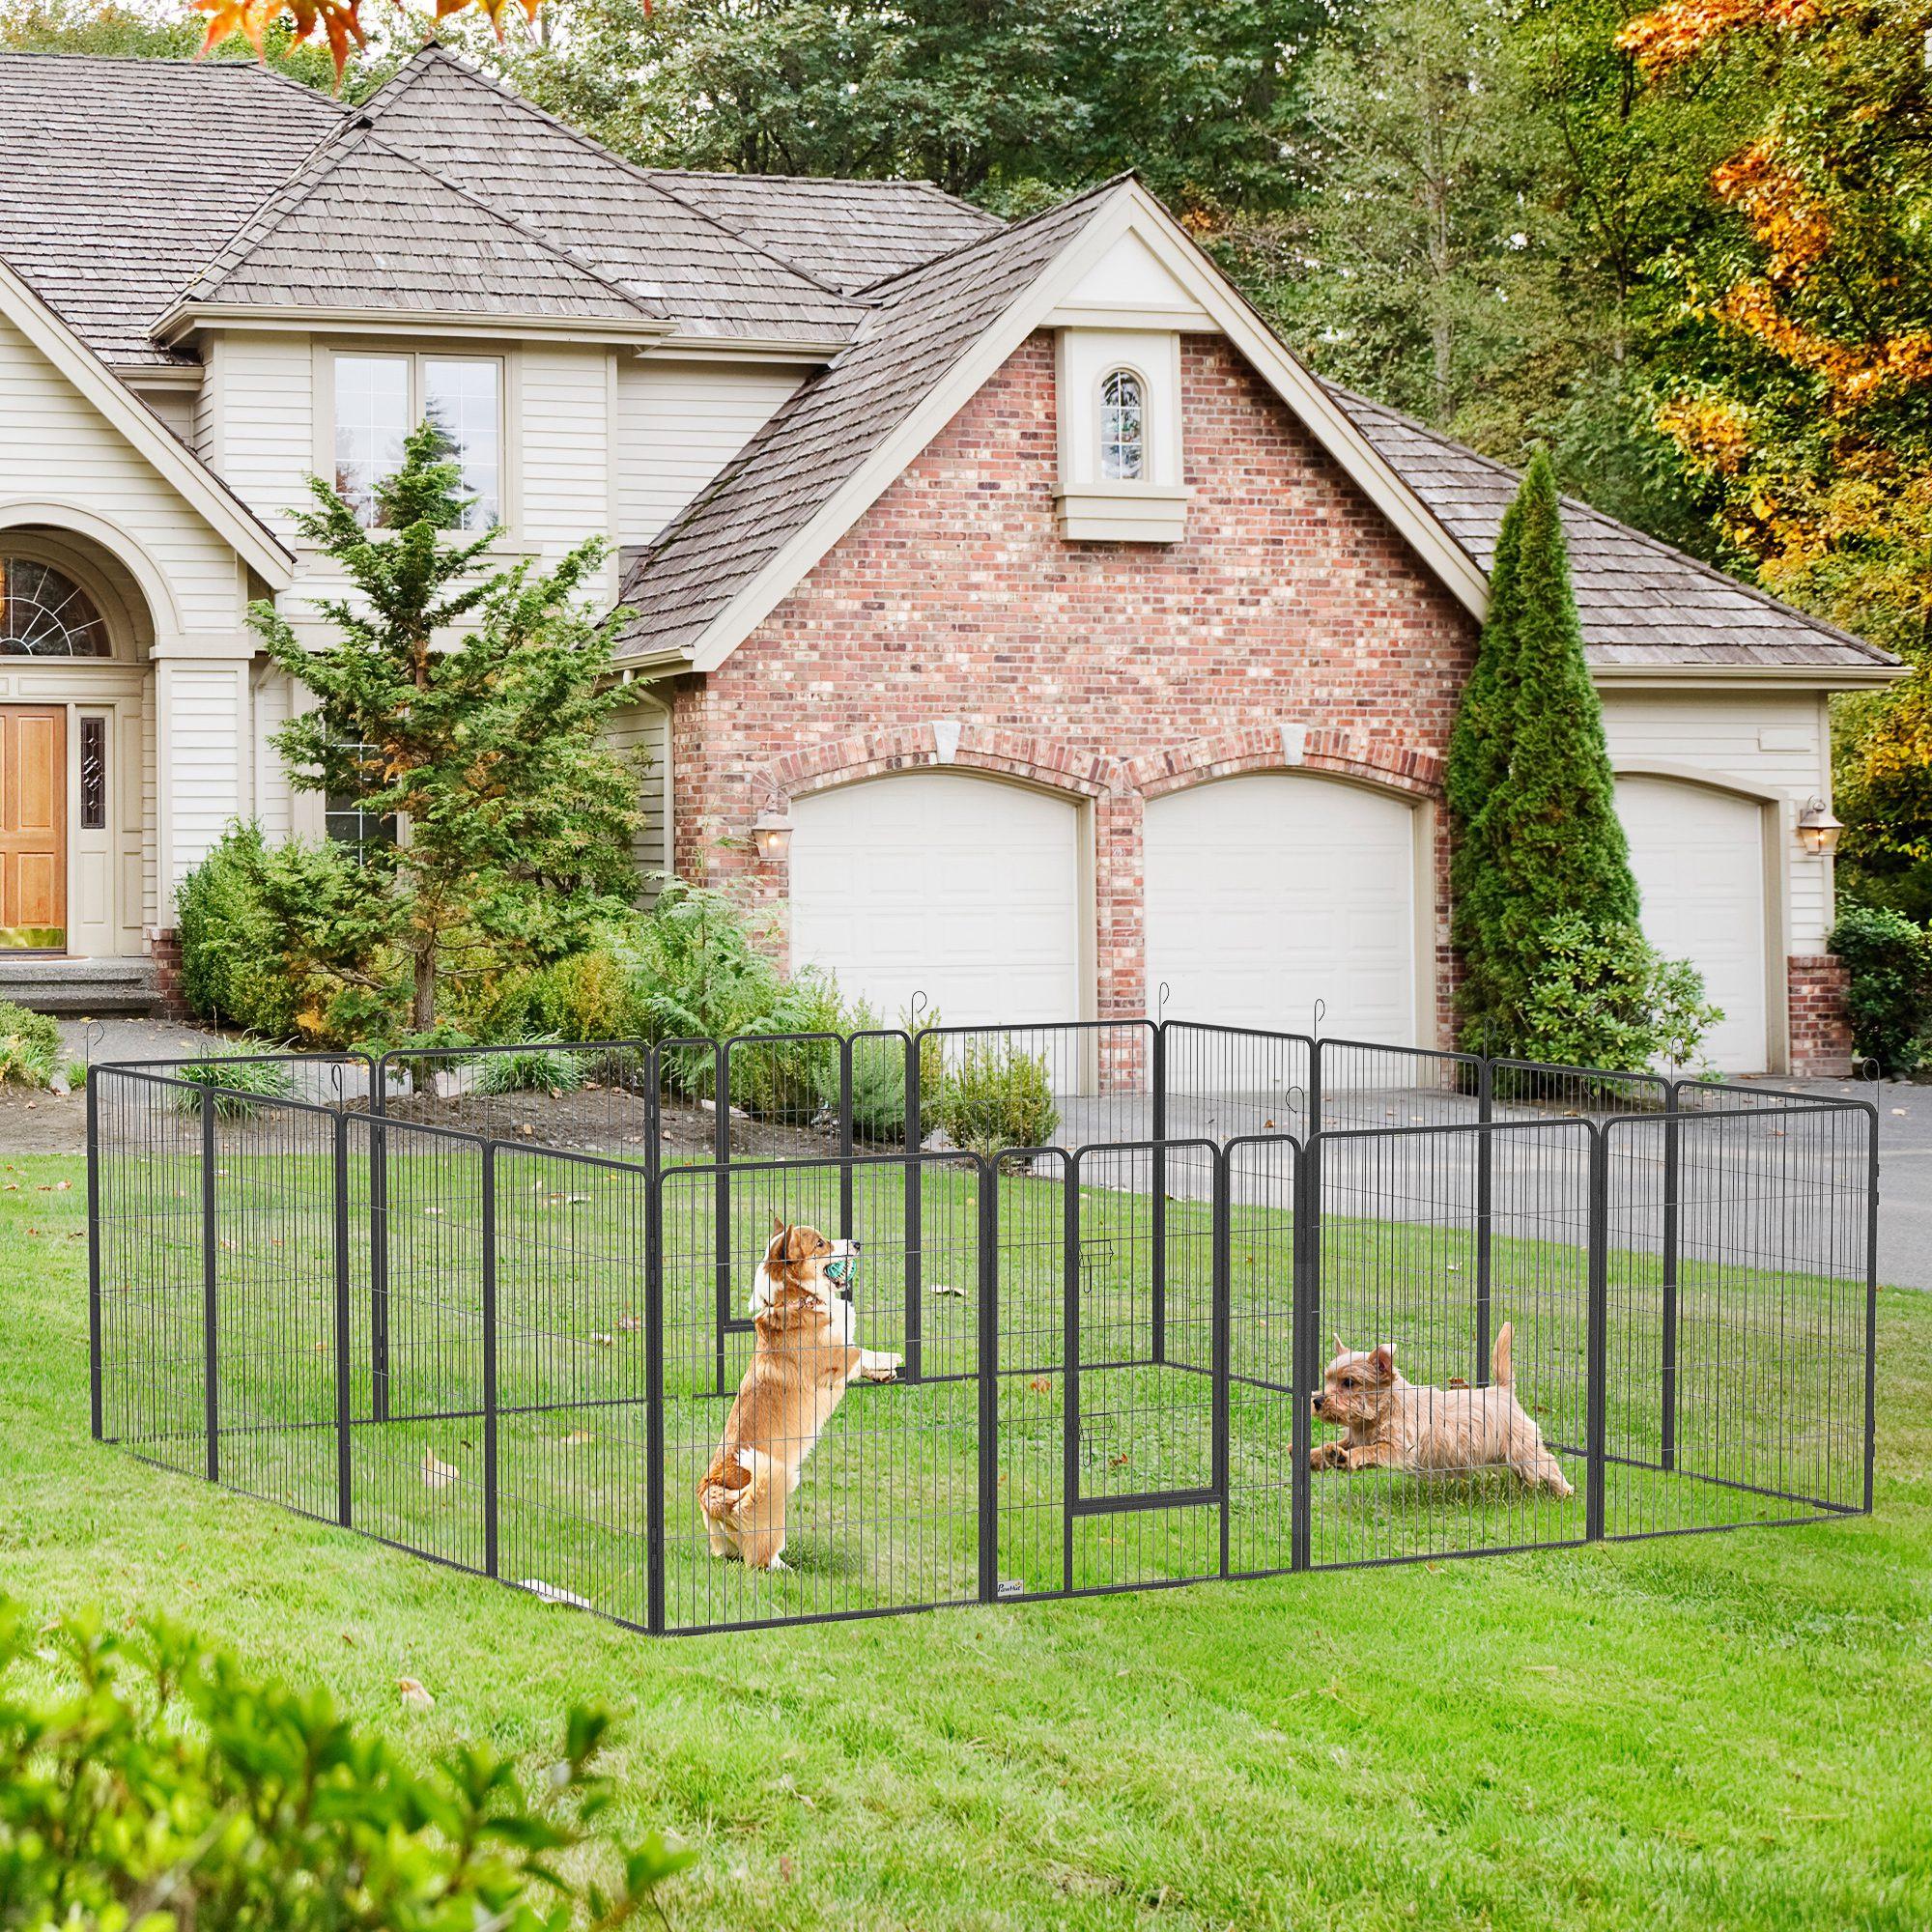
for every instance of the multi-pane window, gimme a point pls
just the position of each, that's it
(44, 614)
(372, 417)
(379, 399)
(348, 824)
(460, 397)
(1123, 427)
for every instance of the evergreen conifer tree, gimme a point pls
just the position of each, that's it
(466, 707)
(1530, 788)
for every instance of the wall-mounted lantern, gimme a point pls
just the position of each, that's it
(1818, 831)
(771, 837)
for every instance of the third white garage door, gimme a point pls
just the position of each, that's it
(1267, 894)
(1698, 856)
(963, 888)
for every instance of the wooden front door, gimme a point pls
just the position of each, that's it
(33, 828)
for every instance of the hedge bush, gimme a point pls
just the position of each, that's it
(30, 1046)
(1604, 996)
(1890, 998)
(151, 1783)
(994, 1096)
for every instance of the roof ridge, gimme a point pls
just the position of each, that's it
(360, 136)
(1644, 537)
(1000, 234)
(434, 52)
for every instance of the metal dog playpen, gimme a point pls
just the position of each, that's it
(492, 1306)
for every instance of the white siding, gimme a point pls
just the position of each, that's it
(678, 424)
(274, 798)
(646, 726)
(176, 408)
(260, 422)
(1770, 742)
(560, 466)
(59, 450)
(205, 706)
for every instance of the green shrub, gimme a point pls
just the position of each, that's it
(238, 1083)
(30, 1046)
(879, 1071)
(282, 940)
(1890, 998)
(150, 1782)
(534, 1066)
(1604, 996)
(994, 1096)
(590, 995)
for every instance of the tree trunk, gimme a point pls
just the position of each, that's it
(422, 999)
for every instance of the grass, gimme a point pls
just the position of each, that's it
(1705, 1731)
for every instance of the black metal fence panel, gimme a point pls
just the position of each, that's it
(1242, 1303)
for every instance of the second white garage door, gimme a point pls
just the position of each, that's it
(1267, 894)
(961, 888)
(1698, 856)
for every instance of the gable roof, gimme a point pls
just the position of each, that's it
(1644, 606)
(199, 487)
(395, 236)
(932, 337)
(846, 234)
(121, 176)
(556, 182)
(818, 439)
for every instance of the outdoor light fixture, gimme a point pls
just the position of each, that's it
(771, 835)
(1818, 831)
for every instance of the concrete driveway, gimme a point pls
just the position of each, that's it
(1905, 1172)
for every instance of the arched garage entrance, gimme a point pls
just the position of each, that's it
(1268, 893)
(964, 887)
(1698, 854)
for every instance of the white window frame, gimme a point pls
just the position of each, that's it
(419, 361)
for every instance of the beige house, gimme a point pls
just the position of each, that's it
(214, 283)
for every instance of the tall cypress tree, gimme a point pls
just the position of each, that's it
(1530, 787)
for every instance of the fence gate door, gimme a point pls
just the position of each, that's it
(1146, 1410)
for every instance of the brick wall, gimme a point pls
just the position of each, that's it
(1821, 1036)
(1108, 671)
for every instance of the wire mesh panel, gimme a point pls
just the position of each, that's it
(1069, 1085)
(1740, 1308)
(419, 1451)
(594, 1096)
(569, 1375)
(870, 1502)
(1528, 1090)
(153, 1153)
(1437, 1436)
(1225, 1082)
(1267, 1440)
(1145, 1354)
(1363, 1084)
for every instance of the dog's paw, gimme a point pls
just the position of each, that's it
(885, 1369)
(1328, 1456)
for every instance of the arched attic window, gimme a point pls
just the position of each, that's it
(44, 614)
(1123, 427)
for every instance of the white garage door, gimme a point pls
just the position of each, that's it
(960, 888)
(1698, 856)
(1267, 894)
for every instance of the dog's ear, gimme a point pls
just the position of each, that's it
(1341, 1347)
(1381, 1358)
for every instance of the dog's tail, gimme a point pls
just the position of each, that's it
(1500, 1373)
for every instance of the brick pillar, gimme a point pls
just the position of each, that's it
(164, 949)
(1821, 1034)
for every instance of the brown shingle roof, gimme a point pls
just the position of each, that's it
(846, 234)
(564, 187)
(119, 178)
(1641, 601)
(362, 226)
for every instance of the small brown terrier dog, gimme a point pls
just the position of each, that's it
(802, 1360)
(1394, 1424)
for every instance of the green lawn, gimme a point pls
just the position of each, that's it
(1710, 1731)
